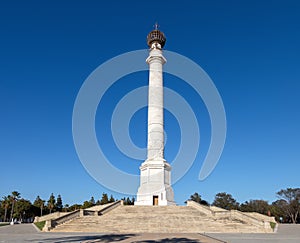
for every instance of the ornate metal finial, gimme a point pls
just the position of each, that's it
(156, 36)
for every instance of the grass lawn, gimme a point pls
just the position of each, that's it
(3, 224)
(40, 225)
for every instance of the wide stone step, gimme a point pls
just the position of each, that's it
(154, 219)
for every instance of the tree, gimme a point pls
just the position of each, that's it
(66, 208)
(292, 198)
(1, 211)
(111, 199)
(74, 207)
(128, 201)
(39, 203)
(277, 209)
(104, 199)
(197, 198)
(258, 206)
(132, 200)
(14, 197)
(92, 201)
(5, 204)
(86, 204)
(59, 204)
(226, 201)
(51, 203)
(22, 209)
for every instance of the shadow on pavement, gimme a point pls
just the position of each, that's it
(168, 240)
(90, 239)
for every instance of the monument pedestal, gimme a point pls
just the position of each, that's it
(155, 184)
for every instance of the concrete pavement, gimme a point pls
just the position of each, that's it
(28, 233)
(286, 233)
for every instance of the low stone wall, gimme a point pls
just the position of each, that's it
(54, 215)
(217, 209)
(110, 207)
(261, 216)
(53, 222)
(255, 219)
(100, 207)
(246, 218)
(201, 208)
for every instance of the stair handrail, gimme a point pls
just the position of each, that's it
(66, 218)
(110, 207)
(200, 207)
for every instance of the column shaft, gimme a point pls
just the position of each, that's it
(155, 145)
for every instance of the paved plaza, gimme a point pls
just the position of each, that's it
(287, 233)
(28, 233)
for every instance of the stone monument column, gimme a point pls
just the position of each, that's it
(155, 145)
(155, 180)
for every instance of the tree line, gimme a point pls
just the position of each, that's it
(285, 210)
(15, 208)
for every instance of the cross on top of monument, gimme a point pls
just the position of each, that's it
(156, 26)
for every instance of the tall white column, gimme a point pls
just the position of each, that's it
(155, 180)
(155, 143)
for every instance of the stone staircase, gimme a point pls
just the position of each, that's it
(157, 219)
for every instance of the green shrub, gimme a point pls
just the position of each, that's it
(272, 224)
(40, 225)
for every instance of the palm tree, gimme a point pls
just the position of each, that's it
(14, 197)
(51, 202)
(39, 203)
(42, 206)
(5, 204)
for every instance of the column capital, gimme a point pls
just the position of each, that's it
(156, 58)
(156, 55)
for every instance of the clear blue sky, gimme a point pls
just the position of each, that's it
(250, 49)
